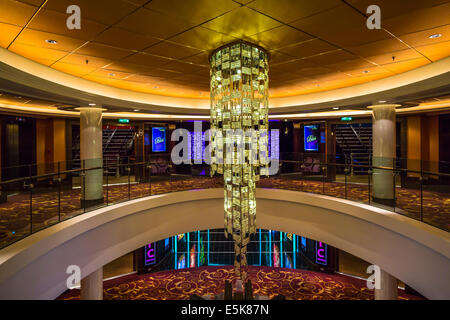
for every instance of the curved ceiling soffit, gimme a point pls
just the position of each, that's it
(429, 80)
(20, 83)
(25, 72)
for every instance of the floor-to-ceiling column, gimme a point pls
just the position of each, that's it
(91, 155)
(384, 150)
(388, 287)
(92, 286)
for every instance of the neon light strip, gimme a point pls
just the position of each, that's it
(260, 248)
(188, 250)
(270, 248)
(175, 240)
(281, 249)
(294, 253)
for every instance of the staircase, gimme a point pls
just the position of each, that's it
(117, 145)
(355, 141)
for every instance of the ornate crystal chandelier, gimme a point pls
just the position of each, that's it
(239, 127)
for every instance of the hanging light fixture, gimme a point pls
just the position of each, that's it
(239, 126)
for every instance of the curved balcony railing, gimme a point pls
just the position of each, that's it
(52, 193)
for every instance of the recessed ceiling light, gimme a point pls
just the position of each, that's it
(366, 71)
(92, 104)
(51, 41)
(336, 108)
(382, 101)
(136, 110)
(434, 36)
(112, 74)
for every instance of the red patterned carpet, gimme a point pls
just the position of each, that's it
(15, 214)
(180, 284)
(436, 205)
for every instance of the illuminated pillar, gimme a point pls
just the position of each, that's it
(91, 155)
(92, 286)
(384, 149)
(388, 287)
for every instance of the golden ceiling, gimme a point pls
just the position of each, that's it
(162, 46)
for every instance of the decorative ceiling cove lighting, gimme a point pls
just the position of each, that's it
(239, 126)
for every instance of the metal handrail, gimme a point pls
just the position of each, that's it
(334, 155)
(45, 175)
(374, 167)
(281, 161)
(147, 165)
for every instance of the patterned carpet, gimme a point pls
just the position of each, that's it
(15, 214)
(436, 205)
(180, 284)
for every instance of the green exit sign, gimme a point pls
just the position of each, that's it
(124, 120)
(346, 119)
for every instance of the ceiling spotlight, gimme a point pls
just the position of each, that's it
(435, 36)
(336, 108)
(136, 110)
(92, 104)
(51, 41)
(382, 101)
(366, 71)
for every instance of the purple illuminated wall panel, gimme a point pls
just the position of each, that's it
(274, 144)
(198, 146)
